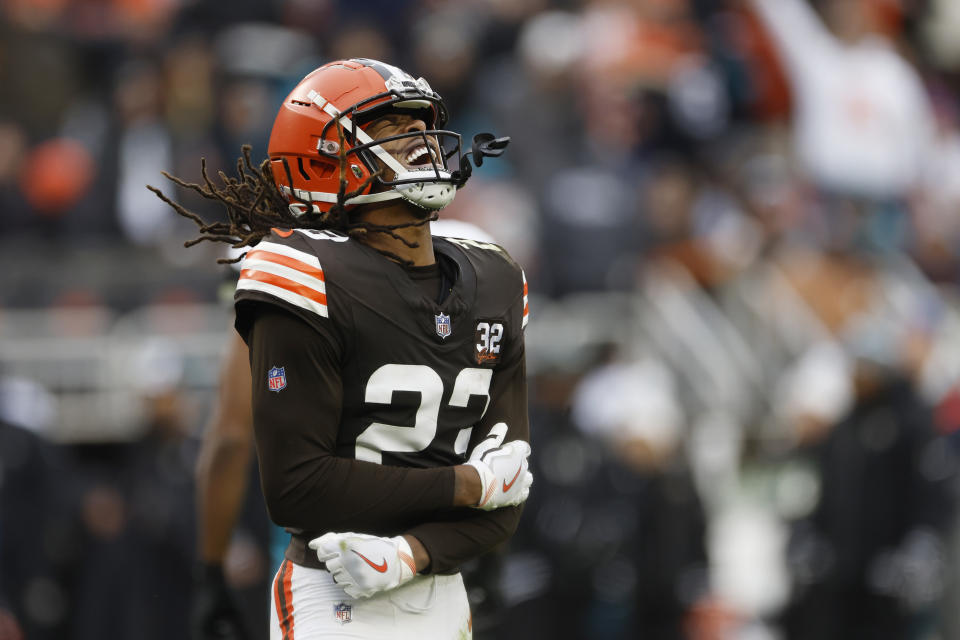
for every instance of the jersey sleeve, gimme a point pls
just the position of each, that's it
(463, 534)
(283, 271)
(296, 395)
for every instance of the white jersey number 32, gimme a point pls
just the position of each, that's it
(380, 437)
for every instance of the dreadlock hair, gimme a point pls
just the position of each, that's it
(255, 204)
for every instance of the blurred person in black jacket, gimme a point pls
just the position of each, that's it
(617, 526)
(35, 540)
(135, 515)
(26, 505)
(868, 562)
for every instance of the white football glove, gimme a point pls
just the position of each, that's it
(504, 474)
(365, 565)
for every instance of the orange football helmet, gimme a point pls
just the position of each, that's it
(308, 150)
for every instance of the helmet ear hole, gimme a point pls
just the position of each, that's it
(322, 169)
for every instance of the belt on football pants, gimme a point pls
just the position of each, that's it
(299, 553)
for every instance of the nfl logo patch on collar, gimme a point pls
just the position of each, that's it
(443, 325)
(276, 379)
(343, 612)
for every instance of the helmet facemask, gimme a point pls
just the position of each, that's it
(324, 159)
(431, 186)
(428, 182)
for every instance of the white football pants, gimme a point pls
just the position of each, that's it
(309, 605)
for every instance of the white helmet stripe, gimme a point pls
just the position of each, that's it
(323, 196)
(395, 72)
(360, 134)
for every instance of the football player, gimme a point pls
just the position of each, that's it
(221, 485)
(221, 477)
(387, 366)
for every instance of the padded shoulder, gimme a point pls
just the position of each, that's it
(496, 270)
(284, 267)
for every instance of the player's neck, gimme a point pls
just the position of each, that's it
(420, 255)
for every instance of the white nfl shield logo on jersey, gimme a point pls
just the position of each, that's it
(276, 379)
(343, 612)
(443, 325)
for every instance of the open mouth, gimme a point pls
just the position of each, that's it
(422, 157)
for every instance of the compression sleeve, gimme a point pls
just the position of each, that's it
(305, 485)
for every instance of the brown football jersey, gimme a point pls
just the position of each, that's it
(376, 372)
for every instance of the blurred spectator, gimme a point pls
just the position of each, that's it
(35, 598)
(446, 47)
(16, 215)
(940, 25)
(144, 150)
(264, 50)
(136, 510)
(936, 209)
(862, 121)
(55, 176)
(27, 405)
(618, 515)
(814, 393)
(869, 561)
(588, 229)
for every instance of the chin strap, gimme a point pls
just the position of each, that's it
(484, 145)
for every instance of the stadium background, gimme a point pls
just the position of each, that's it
(741, 240)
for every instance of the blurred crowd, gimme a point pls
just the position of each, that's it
(740, 222)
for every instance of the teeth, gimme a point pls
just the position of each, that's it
(417, 153)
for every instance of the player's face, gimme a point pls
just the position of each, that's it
(411, 152)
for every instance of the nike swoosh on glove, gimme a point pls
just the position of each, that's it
(504, 475)
(365, 565)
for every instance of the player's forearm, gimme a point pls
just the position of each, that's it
(463, 535)
(421, 557)
(467, 487)
(344, 487)
(328, 493)
(221, 487)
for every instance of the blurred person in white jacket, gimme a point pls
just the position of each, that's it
(863, 123)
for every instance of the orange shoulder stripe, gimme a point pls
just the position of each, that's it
(287, 261)
(284, 283)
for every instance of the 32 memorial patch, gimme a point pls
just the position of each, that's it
(488, 341)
